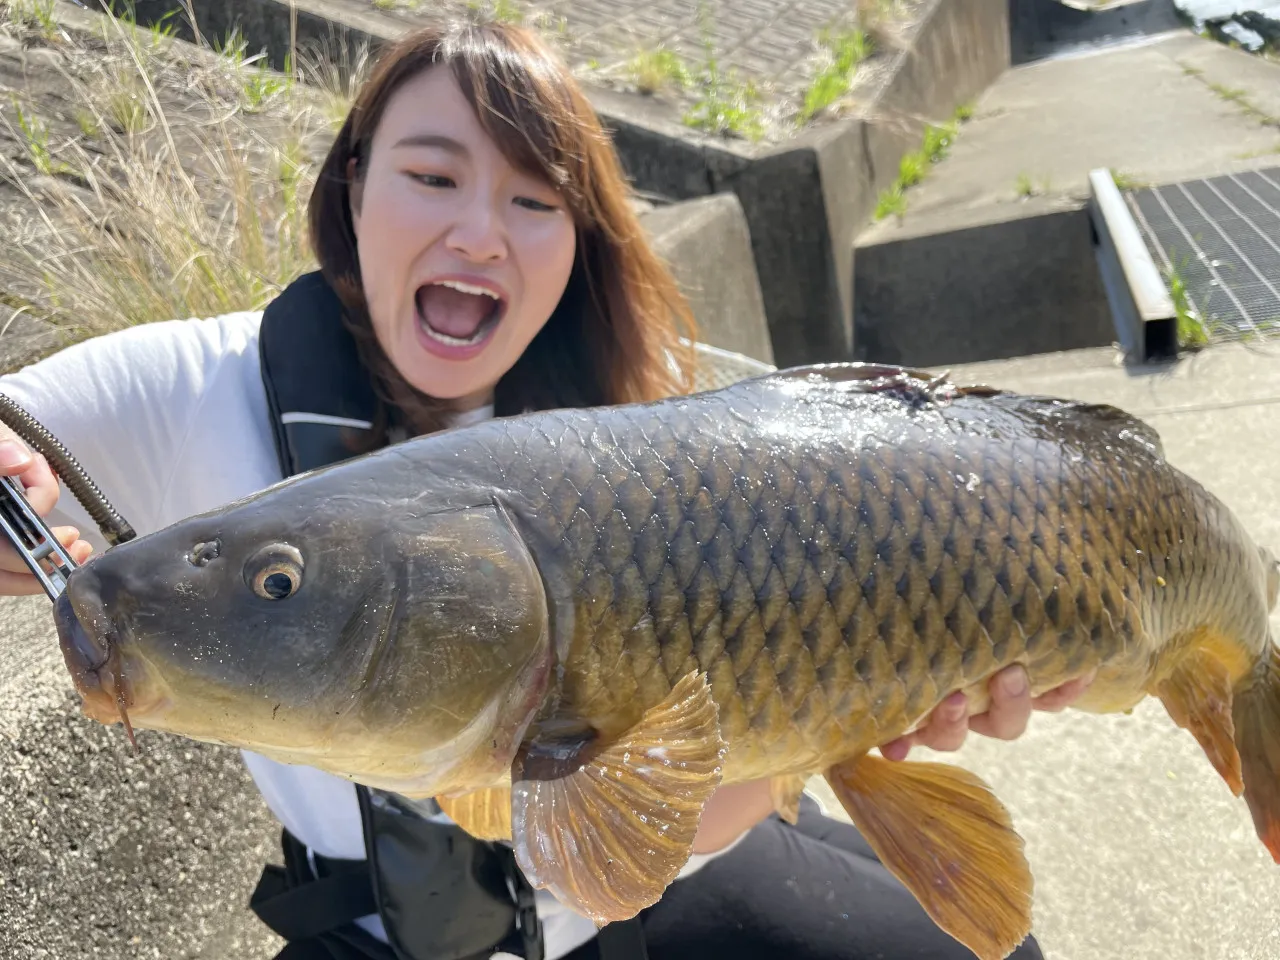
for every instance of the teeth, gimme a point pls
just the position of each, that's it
(468, 288)
(455, 341)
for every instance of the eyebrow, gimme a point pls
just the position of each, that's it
(432, 140)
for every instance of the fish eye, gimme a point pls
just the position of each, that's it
(274, 572)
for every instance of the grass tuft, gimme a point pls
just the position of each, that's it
(179, 188)
(915, 166)
(845, 51)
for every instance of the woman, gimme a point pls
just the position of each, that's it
(479, 257)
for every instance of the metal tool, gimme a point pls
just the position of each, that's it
(31, 537)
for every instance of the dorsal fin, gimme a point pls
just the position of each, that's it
(920, 386)
(1086, 416)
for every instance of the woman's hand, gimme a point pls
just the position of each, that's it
(41, 489)
(735, 809)
(1006, 718)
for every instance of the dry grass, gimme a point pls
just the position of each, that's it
(177, 189)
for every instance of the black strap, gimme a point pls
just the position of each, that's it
(315, 914)
(310, 365)
(622, 940)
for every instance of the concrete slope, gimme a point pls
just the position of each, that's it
(1138, 848)
(1163, 109)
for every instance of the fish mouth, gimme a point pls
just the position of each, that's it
(95, 664)
(456, 315)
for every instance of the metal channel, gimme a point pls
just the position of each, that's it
(1144, 315)
(1220, 237)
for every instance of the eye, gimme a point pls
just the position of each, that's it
(432, 180)
(534, 204)
(274, 572)
(202, 553)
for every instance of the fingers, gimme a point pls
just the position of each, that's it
(32, 469)
(1006, 718)
(14, 454)
(1010, 710)
(1059, 698)
(69, 537)
(946, 730)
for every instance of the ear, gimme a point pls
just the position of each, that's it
(355, 194)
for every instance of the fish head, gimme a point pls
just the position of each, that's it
(401, 646)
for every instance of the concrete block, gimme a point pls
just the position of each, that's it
(1021, 286)
(960, 47)
(708, 246)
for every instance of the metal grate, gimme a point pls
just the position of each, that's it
(1221, 237)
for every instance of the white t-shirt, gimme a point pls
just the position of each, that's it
(170, 420)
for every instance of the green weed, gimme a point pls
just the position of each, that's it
(653, 70)
(34, 15)
(724, 105)
(846, 51)
(1193, 334)
(914, 166)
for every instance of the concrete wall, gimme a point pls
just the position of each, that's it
(708, 247)
(1024, 286)
(807, 201)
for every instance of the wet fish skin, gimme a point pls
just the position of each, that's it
(838, 563)
(833, 549)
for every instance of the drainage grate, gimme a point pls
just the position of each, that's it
(1221, 237)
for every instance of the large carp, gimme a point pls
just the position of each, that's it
(572, 626)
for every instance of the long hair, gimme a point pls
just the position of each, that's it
(616, 335)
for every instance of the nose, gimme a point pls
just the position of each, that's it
(479, 232)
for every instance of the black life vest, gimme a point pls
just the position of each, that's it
(441, 893)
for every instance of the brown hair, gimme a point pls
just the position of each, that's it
(615, 336)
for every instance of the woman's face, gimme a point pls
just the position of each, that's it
(462, 257)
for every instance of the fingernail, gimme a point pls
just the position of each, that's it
(13, 454)
(1014, 683)
(954, 707)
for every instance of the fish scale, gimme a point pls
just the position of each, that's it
(929, 581)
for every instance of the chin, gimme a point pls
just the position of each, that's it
(450, 379)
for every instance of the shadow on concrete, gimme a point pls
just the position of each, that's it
(1039, 29)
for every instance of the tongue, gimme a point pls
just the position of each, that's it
(452, 312)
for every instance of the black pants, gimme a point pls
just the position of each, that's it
(813, 891)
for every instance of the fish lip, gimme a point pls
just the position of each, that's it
(82, 652)
(92, 657)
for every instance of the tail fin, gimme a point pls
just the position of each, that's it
(1256, 717)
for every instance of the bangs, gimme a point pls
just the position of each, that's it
(516, 90)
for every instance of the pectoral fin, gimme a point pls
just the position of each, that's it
(941, 831)
(785, 792)
(485, 814)
(606, 827)
(1198, 696)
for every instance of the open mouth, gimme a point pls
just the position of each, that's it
(457, 315)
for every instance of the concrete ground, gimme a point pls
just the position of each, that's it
(1159, 110)
(106, 855)
(1138, 848)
